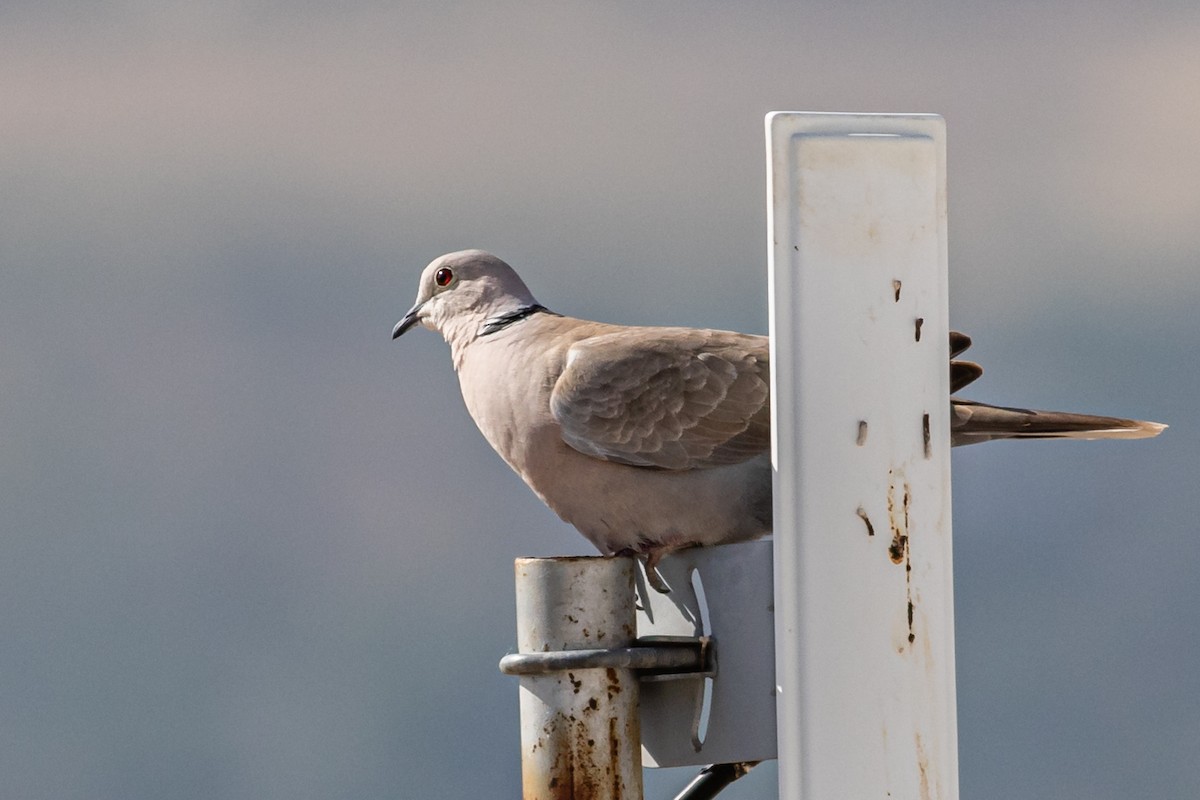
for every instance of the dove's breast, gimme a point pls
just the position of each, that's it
(507, 386)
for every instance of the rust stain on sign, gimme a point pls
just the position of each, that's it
(899, 550)
(898, 519)
(923, 768)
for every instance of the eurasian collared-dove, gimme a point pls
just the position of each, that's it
(646, 439)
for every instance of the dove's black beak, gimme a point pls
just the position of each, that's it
(407, 321)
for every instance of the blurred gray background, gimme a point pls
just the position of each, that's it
(252, 548)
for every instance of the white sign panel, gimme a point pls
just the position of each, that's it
(860, 386)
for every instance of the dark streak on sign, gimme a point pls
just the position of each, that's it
(862, 514)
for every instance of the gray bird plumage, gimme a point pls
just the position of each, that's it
(647, 439)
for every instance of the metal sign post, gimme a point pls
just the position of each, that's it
(864, 624)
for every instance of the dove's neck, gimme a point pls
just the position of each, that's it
(501, 321)
(466, 328)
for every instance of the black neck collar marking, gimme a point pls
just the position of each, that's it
(502, 321)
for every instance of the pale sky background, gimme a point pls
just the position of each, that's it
(255, 549)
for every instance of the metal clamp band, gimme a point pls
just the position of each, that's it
(650, 658)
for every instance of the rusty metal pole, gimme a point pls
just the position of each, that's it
(580, 736)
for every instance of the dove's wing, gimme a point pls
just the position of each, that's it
(962, 373)
(671, 398)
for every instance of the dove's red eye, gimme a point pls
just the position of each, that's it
(443, 276)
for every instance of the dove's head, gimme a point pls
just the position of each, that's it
(460, 291)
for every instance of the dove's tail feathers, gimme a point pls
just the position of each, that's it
(972, 422)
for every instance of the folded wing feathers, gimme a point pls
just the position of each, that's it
(963, 373)
(959, 342)
(677, 399)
